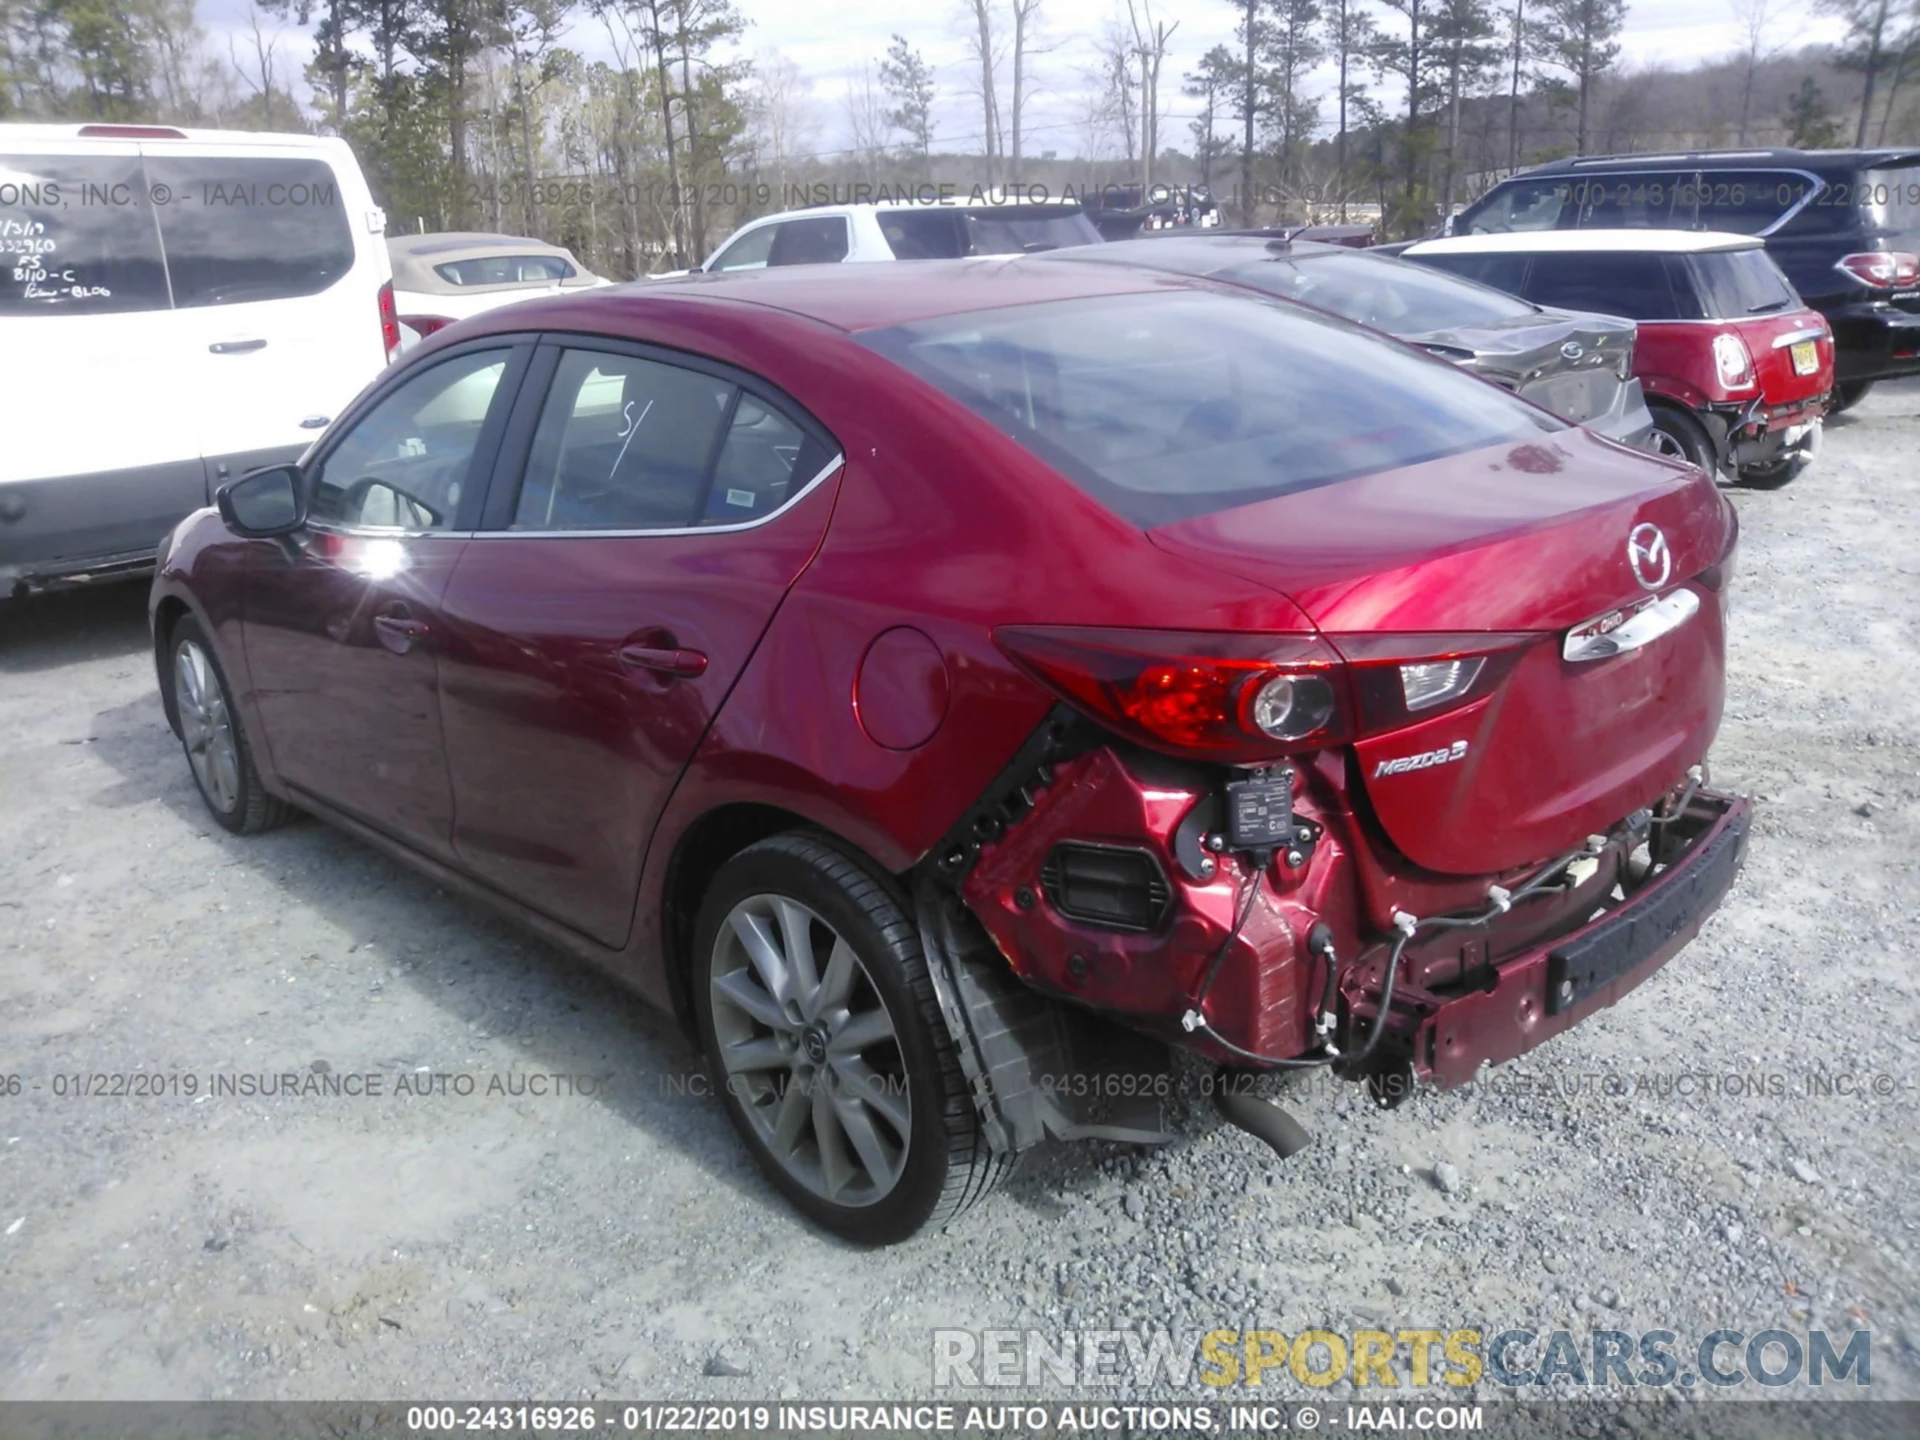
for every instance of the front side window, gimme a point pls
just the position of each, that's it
(1522, 205)
(820, 240)
(77, 237)
(505, 270)
(623, 444)
(749, 252)
(1166, 406)
(247, 228)
(408, 460)
(1608, 284)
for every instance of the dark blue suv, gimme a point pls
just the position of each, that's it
(1843, 224)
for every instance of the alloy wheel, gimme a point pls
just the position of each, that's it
(810, 1053)
(206, 726)
(1665, 444)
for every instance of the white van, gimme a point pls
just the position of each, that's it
(176, 307)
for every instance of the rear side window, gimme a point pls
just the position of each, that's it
(505, 270)
(1631, 285)
(819, 241)
(1021, 229)
(77, 237)
(1166, 406)
(246, 228)
(1892, 198)
(1746, 202)
(1738, 283)
(923, 234)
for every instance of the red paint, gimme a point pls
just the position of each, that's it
(570, 708)
(902, 692)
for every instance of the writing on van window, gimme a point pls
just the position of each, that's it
(77, 235)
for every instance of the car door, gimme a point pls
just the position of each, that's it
(342, 629)
(100, 457)
(649, 515)
(276, 288)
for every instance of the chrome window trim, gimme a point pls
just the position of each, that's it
(792, 500)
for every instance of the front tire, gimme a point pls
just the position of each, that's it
(212, 736)
(825, 1040)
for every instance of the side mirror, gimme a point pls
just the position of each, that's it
(263, 503)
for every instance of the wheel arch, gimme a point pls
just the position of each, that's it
(167, 613)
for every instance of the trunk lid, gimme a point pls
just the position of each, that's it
(1517, 544)
(1772, 340)
(1570, 364)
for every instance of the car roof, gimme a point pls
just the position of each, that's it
(1758, 158)
(415, 256)
(160, 134)
(1561, 242)
(845, 297)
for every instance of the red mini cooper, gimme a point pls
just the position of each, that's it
(1737, 369)
(949, 686)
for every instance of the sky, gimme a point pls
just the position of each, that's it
(831, 43)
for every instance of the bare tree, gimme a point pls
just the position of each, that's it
(1349, 38)
(1114, 106)
(1754, 18)
(1866, 47)
(1026, 15)
(781, 118)
(1150, 39)
(986, 55)
(867, 119)
(261, 73)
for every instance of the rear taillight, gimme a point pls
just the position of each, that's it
(389, 321)
(1238, 699)
(1733, 361)
(1251, 699)
(1882, 269)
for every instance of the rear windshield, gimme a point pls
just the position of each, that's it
(1742, 282)
(505, 270)
(238, 229)
(1167, 406)
(1892, 198)
(77, 237)
(950, 233)
(1390, 295)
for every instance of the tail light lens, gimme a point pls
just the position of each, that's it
(1733, 360)
(1238, 699)
(1251, 699)
(1882, 269)
(389, 321)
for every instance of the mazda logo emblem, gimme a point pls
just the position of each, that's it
(1573, 350)
(1649, 556)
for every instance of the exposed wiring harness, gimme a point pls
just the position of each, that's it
(1500, 900)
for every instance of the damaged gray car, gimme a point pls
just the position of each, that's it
(1578, 366)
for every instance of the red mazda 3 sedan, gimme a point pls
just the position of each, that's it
(949, 686)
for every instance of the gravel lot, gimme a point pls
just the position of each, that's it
(620, 1243)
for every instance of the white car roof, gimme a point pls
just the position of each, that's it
(1559, 242)
(160, 134)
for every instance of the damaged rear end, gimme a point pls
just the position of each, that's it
(1451, 802)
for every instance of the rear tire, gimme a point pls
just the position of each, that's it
(1689, 438)
(212, 736)
(826, 1043)
(1847, 394)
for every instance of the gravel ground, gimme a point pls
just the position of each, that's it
(620, 1243)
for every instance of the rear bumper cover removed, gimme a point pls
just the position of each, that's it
(1529, 997)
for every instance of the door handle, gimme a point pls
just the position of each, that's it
(398, 632)
(676, 664)
(236, 347)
